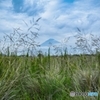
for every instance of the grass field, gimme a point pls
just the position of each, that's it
(46, 77)
(49, 77)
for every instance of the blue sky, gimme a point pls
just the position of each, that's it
(59, 18)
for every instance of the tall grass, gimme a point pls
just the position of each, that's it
(33, 78)
(46, 77)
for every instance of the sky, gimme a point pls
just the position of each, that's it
(59, 18)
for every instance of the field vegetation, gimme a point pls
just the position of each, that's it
(46, 77)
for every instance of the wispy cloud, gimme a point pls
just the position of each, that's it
(59, 17)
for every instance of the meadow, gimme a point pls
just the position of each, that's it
(47, 77)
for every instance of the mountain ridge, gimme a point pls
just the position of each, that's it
(50, 42)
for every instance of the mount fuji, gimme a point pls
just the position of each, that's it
(50, 42)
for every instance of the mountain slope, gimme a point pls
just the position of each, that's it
(50, 42)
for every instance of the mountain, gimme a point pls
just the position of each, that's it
(50, 42)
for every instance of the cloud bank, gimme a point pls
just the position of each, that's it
(60, 18)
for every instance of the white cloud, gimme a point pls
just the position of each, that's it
(59, 19)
